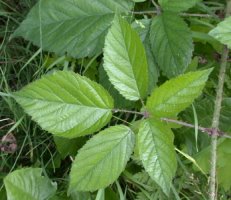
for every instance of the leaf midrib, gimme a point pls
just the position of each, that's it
(76, 18)
(105, 156)
(169, 42)
(157, 151)
(62, 102)
(176, 93)
(130, 61)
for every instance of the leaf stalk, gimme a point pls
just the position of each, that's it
(209, 131)
(156, 12)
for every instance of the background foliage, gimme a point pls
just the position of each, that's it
(96, 79)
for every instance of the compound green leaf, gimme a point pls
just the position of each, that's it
(156, 149)
(177, 5)
(28, 184)
(172, 44)
(103, 158)
(177, 94)
(66, 104)
(75, 27)
(125, 60)
(223, 32)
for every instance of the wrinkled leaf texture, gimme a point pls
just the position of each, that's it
(143, 28)
(75, 27)
(177, 94)
(125, 60)
(66, 104)
(177, 5)
(28, 184)
(120, 101)
(171, 43)
(100, 162)
(156, 149)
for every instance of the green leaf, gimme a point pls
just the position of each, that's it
(223, 164)
(205, 38)
(67, 146)
(177, 94)
(60, 197)
(75, 195)
(171, 43)
(143, 28)
(177, 5)
(125, 60)
(75, 27)
(223, 32)
(225, 119)
(147, 195)
(138, 1)
(119, 100)
(66, 104)
(28, 184)
(3, 195)
(157, 152)
(110, 194)
(144, 178)
(204, 109)
(103, 158)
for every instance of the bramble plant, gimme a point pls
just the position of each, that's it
(125, 107)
